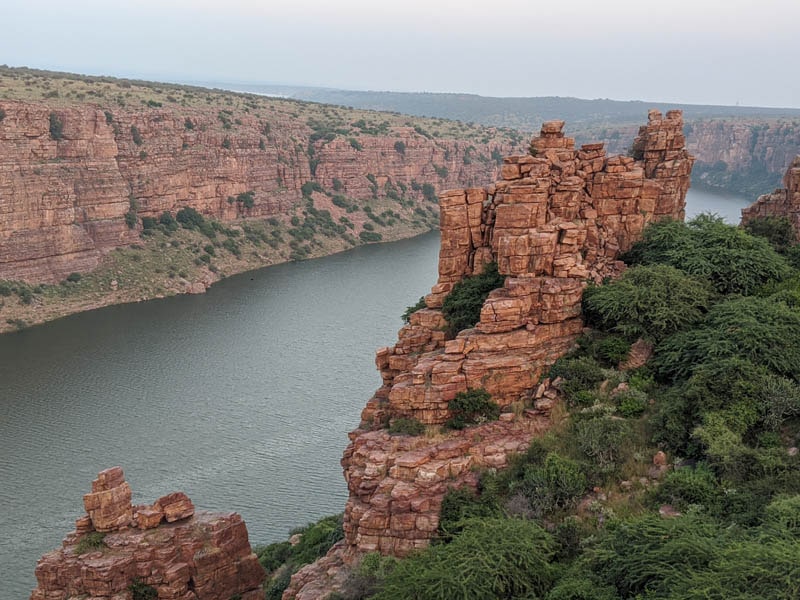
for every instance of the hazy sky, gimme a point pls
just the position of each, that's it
(696, 51)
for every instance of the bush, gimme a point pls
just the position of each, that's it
(56, 127)
(189, 218)
(404, 426)
(274, 555)
(650, 302)
(355, 144)
(459, 505)
(73, 277)
(130, 219)
(168, 221)
(370, 236)
(687, 486)
(472, 407)
(631, 402)
(556, 485)
(760, 330)
(732, 260)
(604, 441)
(149, 223)
(90, 542)
(429, 192)
(491, 558)
(316, 539)
(399, 147)
(136, 135)
(778, 231)
(3, 116)
(141, 591)
(783, 514)
(462, 306)
(580, 375)
(410, 310)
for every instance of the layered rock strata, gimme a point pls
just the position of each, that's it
(64, 196)
(558, 218)
(783, 202)
(181, 554)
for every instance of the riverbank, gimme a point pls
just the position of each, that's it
(187, 261)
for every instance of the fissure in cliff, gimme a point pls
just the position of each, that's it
(558, 218)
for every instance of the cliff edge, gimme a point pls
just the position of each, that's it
(559, 217)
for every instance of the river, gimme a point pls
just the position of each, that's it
(241, 397)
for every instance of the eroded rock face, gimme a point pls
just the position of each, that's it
(558, 218)
(63, 202)
(182, 554)
(783, 202)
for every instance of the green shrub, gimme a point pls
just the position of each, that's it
(2, 114)
(631, 402)
(274, 555)
(778, 231)
(760, 330)
(136, 135)
(732, 260)
(141, 591)
(556, 485)
(462, 306)
(612, 349)
(410, 310)
(355, 144)
(429, 192)
(149, 223)
(472, 407)
(491, 558)
(274, 589)
(73, 277)
(56, 127)
(604, 441)
(316, 539)
(226, 143)
(581, 588)
(189, 218)
(370, 236)
(188, 124)
(399, 147)
(168, 221)
(461, 504)
(406, 426)
(687, 486)
(580, 375)
(783, 514)
(650, 301)
(90, 542)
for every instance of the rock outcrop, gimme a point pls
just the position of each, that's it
(783, 202)
(65, 191)
(167, 546)
(558, 218)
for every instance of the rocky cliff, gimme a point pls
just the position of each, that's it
(72, 172)
(558, 217)
(783, 202)
(164, 550)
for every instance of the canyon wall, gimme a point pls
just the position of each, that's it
(741, 155)
(165, 548)
(70, 174)
(783, 202)
(558, 218)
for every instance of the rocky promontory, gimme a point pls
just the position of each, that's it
(164, 550)
(559, 217)
(783, 202)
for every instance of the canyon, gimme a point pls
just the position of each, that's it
(78, 177)
(559, 217)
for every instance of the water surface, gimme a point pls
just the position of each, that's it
(241, 397)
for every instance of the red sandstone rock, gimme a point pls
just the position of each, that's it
(201, 556)
(554, 221)
(175, 506)
(783, 202)
(62, 203)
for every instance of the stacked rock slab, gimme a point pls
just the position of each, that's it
(783, 202)
(181, 554)
(558, 218)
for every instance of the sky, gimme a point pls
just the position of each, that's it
(690, 51)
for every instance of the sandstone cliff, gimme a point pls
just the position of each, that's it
(165, 548)
(70, 170)
(557, 218)
(783, 202)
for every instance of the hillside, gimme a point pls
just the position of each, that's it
(739, 148)
(91, 165)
